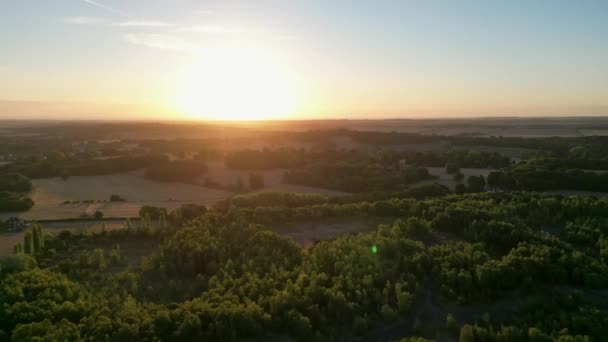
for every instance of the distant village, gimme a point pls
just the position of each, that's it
(14, 224)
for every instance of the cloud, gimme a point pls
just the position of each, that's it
(162, 41)
(107, 8)
(204, 12)
(212, 29)
(82, 20)
(145, 23)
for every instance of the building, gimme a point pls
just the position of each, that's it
(15, 224)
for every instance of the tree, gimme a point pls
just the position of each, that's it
(98, 215)
(256, 181)
(153, 213)
(460, 188)
(162, 220)
(98, 259)
(116, 198)
(28, 243)
(451, 324)
(18, 248)
(476, 183)
(115, 255)
(64, 175)
(494, 178)
(190, 328)
(536, 335)
(388, 314)
(55, 156)
(458, 176)
(451, 168)
(466, 334)
(37, 239)
(578, 152)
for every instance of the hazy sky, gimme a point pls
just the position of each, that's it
(341, 59)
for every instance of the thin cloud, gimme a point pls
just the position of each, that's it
(82, 20)
(204, 12)
(212, 29)
(145, 23)
(107, 8)
(162, 41)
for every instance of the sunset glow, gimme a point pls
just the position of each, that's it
(236, 84)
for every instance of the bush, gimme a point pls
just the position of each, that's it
(116, 198)
(451, 168)
(153, 212)
(11, 201)
(15, 182)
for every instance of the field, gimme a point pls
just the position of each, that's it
(88, 194)
(447, 180)
(50, 194)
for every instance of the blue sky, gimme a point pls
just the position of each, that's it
(347, 58)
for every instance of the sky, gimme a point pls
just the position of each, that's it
(187, 59)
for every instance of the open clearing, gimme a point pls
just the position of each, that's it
(220, 174)
(447, 180)
(50, 194)
(273, 179)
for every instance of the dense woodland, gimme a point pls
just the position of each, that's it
(495, 266)
(13, 192)
(80, 166)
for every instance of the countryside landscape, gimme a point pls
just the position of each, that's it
(287, 170)
(464, 233)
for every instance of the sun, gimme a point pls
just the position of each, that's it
(236, 84)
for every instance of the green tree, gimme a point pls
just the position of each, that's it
(28, 243)
(578, 152)
(476, 183)
(98, 259)
(466, 334)
(115, 255)
(18, 248)
(451, 168)
(460, 188)
(116, 198)
(37, 239)
(458, 176)
(451, 324)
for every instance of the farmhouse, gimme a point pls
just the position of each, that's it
(15, 224)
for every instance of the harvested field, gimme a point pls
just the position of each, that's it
(51, 194)
(273, 179)
(224, 176)
(89, 194)
(446, 179)
(131, 186)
